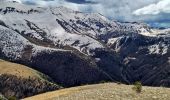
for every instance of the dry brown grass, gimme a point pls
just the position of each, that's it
(107, 91)
(17, 70)
(20, 81)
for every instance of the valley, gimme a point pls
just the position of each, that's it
(57, 47)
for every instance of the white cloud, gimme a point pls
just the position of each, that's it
(153, 9)
(123, 10)
(116, 9)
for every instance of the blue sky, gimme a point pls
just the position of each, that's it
(154, 12)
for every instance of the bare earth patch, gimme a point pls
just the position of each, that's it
(107, 91)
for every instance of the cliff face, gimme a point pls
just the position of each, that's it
(146, 59)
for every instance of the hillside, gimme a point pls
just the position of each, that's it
(75, 48)
(107, 91)
(20, 81)
(18, 70)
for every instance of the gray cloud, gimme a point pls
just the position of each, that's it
(81, 1)
(116, 9)
(123, 10)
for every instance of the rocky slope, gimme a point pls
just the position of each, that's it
(76, 48)
(107, 91)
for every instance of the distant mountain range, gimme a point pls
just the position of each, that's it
(75, 48)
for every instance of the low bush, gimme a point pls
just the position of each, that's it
(137, 87)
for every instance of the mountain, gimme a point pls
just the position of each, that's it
(75, 48)
(106, 91)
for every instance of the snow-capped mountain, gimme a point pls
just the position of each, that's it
(87, 44)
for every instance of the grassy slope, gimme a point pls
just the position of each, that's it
(20, 81)
(107, 91)
(17, 70)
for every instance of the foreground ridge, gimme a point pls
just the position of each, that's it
(107, 91)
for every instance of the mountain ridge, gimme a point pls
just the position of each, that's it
(108, 91)
(76, 48)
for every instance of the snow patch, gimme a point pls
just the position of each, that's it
(158, 49)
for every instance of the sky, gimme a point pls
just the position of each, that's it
(154, 12)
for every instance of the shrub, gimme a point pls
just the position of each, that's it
(103, 81)
(137, 87)
(2, 97)
(12, 98)
(19, 87)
